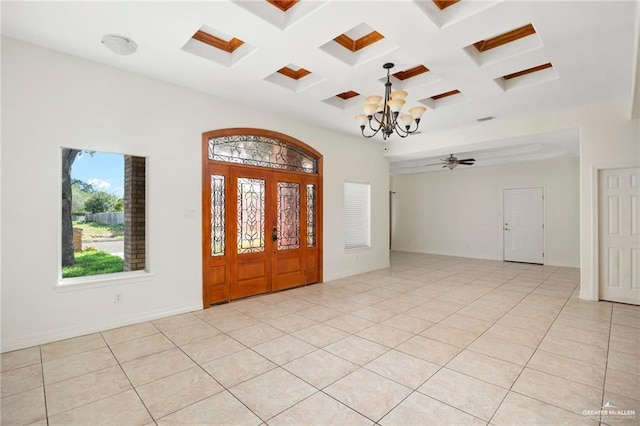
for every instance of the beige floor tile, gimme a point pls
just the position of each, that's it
(621, 344)
(176, 321)
(576, 350)
(219, 409)
(374, 314)
(623, 383)
(521, 410)
(321, 410)
(483, 367)
(623, 405)
(320, 335)
(356, 349)
(465, 393)
(319, 313)
(385, 335)
(568, 368)
(502, 349)
(23, 408)
(180, 390)
(428, 314)
(350, 323)
(232, 322)
(624, 361)
(73, 346)
(466, 323)
(20, 358)
(130, 332)
(451, 335)
(291, 323)
(205, 350)
(320, 368)
(272, 392)
(483, 314)
(419, 409)
(525, 323)
(368, 393)
(255, 334)
(191, 333)
(284, 349)
(20, 380)
(77, 365)
(625, 332)
(578, 335)
(515, 335)
(153, 367)
(556, 391)
(430, 350)
(408, 323)
(123, 408)
(402, 368)
(81, 390)
(238, 367)
(138, 348)
(584, 324)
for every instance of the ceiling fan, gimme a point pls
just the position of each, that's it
(452, 162)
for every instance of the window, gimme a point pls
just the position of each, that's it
(357, 215)
(103, 213)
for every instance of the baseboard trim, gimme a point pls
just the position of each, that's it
(352, 272)
(68, 333)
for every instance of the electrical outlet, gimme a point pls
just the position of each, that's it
(118, 298)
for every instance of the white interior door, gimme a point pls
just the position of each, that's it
(523, 225)
(619, 235)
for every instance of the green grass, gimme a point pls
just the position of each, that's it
(100, 230)
(93, 263)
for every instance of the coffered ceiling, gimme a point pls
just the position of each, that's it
(317, 60)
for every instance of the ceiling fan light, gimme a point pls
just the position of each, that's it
(375, 99)
(417, 112)
(451, 166)
(399, 94)
(396, 104)
(120, 45)
(370, 108)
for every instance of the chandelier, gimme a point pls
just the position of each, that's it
(386, 116)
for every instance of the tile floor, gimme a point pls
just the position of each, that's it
(433, 340)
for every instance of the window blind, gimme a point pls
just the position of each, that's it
(357, 215)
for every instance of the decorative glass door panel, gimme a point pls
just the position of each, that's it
(251, 215)
(288, 228)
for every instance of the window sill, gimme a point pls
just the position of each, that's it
(105, 280)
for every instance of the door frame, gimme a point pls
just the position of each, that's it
(544, 222)
(205, 207)
(592, 292)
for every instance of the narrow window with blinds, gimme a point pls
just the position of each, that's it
(357, 215)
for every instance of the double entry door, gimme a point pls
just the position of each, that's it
(260, 231)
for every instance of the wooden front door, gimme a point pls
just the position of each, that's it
(261, 225)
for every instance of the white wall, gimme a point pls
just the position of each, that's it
(608, 139)
(51, 100)
(460, 213)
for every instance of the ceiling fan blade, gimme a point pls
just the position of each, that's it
(466, 164)
(466, 159)
(430, 164)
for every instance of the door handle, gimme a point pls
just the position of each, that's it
(274, 233)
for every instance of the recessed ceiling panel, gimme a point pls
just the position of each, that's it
(294, 77)
(358, 45)
(216, 46)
